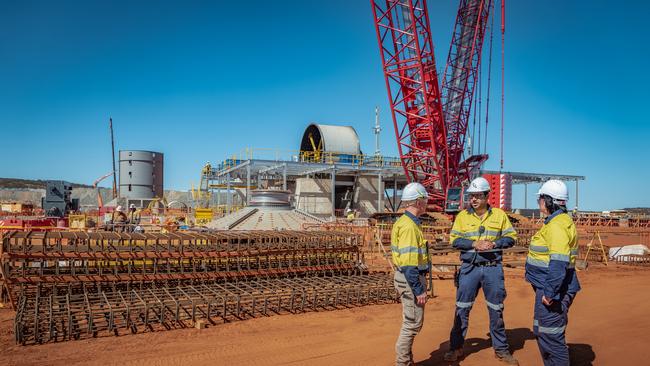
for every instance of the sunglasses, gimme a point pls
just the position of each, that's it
(477, 196)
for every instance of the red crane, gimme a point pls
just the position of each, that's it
(431, 121)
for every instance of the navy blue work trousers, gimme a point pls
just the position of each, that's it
(549, 326)
(471, 279)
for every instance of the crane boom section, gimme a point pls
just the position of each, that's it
(460, 77)
(406, 48)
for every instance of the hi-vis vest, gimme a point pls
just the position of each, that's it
(556, 240)
(408, 246)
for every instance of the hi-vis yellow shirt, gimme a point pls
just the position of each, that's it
(494, 226)
(552, 253)
(408, 247)
(557, 240)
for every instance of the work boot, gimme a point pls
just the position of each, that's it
(453, 354)
(507, 357)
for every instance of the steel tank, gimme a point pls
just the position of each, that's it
(332, 139)
(270, 198)
(141, 174)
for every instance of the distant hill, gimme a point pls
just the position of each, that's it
(639, 210)
(15, 183)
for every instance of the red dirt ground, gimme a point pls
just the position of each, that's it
(609, 325)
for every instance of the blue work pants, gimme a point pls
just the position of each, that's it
(549, 326)
(471, 279)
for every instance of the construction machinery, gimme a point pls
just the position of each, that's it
(100, 201)
(431, 119)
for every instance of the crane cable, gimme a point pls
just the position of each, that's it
(487, 102)
(503, 32)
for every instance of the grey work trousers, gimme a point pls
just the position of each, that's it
(412, 319)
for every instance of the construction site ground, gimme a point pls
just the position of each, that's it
(608, 326)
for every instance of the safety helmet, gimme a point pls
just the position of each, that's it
(478, 185)
(556, 189)
(132, 206)
(119, 209)
(413, 191)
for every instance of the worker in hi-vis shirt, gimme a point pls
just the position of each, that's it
(550, 268)
(480, 232)
(411, 262)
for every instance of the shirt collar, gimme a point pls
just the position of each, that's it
(548, 219)
(415, 219)
(471, 210)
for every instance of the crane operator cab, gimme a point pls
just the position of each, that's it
(457, 199)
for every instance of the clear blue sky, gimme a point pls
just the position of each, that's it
(199, 80)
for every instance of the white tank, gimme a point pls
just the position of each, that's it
(332, 139)
(141, 174)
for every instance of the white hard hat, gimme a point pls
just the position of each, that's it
(132, 205)
(478, 185)
(413, 191)
(119, 209)
(556, 189)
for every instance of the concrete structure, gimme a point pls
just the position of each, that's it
(141, 175)
(361, 193)
(268, 210)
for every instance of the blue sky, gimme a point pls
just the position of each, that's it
(200, 80)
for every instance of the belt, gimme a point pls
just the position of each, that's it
(486, 264)
(420, 271)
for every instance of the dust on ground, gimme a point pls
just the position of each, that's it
(608, 325)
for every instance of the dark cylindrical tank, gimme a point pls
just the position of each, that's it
(141, 174)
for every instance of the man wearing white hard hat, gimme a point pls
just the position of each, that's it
(134, 215)
(411, 261)
(550, 268)
(119, 219)
(480, 233)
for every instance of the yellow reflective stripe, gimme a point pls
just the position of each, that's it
(470, 234)
(538, 248)
(486, 234)
(548, 330)
(464, 304)
(560, 257)
(536, 262)
(508, 231)
(409, 249)
(492, 233)
(492, 306)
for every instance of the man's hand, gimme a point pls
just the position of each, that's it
(421, 299)
(546, 301)
(483, 245)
